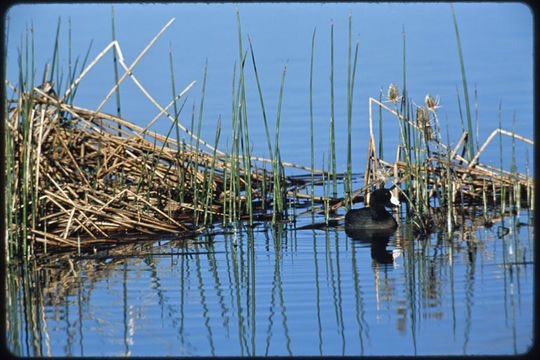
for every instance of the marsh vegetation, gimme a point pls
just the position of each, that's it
(78, 178)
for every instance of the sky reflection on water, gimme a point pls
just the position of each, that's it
(283, 293)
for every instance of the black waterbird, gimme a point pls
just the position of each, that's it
(375, 216)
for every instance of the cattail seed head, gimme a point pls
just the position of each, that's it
(422, 117)
(382, 175)
(393, 93)
(422, 120)
(431, 103)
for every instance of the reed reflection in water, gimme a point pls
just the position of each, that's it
(280, 291)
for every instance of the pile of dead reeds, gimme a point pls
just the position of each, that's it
(90, 175)
(75, 177)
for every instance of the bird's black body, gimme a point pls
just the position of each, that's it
(374, 217)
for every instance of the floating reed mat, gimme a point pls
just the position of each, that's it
(78, 176)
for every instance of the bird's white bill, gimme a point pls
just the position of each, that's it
(394, 200)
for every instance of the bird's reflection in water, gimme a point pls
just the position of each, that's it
(378, 240)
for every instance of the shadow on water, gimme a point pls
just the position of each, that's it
(280, 291)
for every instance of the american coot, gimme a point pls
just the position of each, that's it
(374, 217)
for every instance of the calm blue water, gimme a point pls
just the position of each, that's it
(285, 292)
(292, 292)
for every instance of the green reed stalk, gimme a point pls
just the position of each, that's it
(30, 164)
(346, 181)
(404, 64)
(263, 189)
(247, 159)
(70, 69)
(180, 173)
(195, 171)
(528, 182)
(233, 177)
(332, 154)
(476, 117)
(380, 127)
(141, 175)
(465, 92)
(442, 194)
(423, 156)
(329, 162)
(180, 153)
(404, 127)
(278, 196)
(240, 89)
(156, 160)
(9, 151)
(224, 196)
(71, 78)
(461, 113)
(8, 163)
(516, 186)
(326, 191)
(405, 154)
(311, 121)
(235, 167)
(72, 94)
(24, 177)
(261, 99)
(449, 184)
(115, 62)
(407, 125)
(417, 170)
(484, 200)
(55, 51)
(26, 84)
(192, 128)
(247, 152)
(350, 91)
(237, 143)
(503, 188)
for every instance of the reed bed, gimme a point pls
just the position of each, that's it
(96, 175)
(78, 177)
